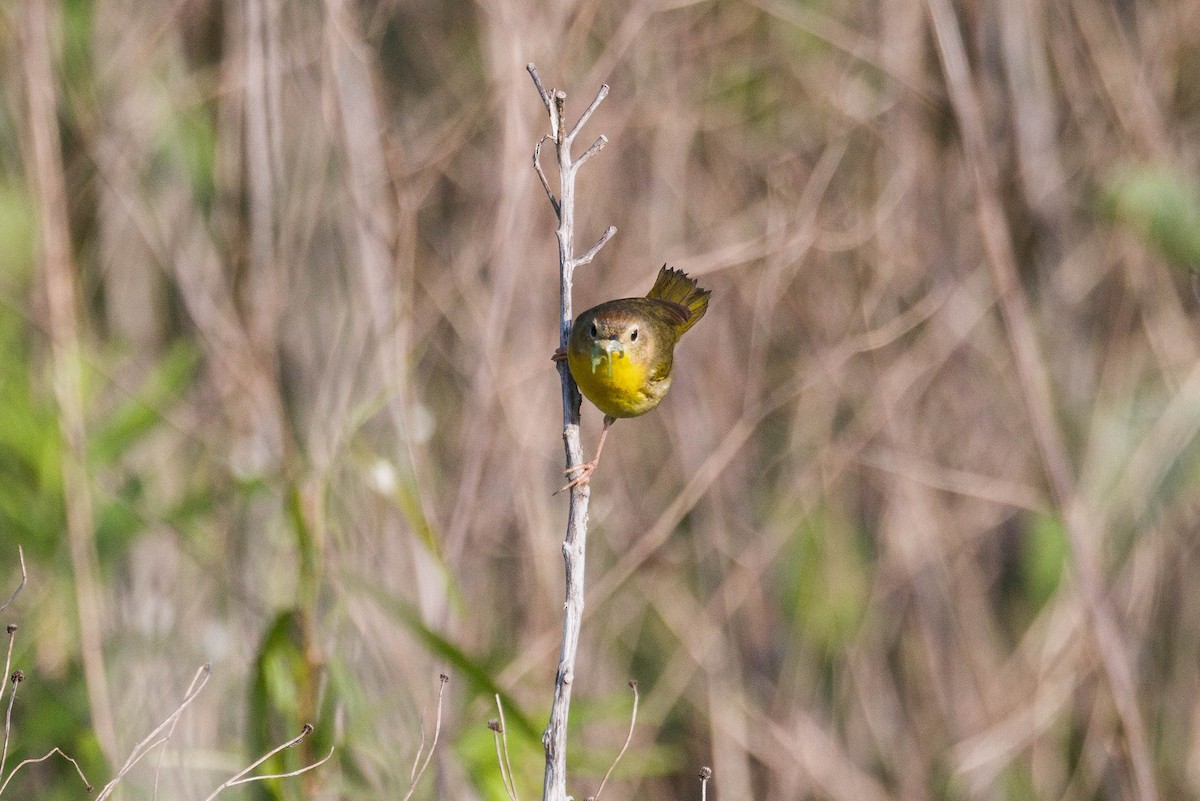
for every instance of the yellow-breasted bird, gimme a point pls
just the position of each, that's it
(620, 352)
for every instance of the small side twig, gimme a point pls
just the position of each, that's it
(437, 728)
(587, 257)
(583, 118)
(628, 739)
(17, 591)
(705, 775)
(595, 148)
(537, 81)
(537, 165)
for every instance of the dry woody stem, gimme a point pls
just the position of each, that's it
(1081, 526)
(574, 545)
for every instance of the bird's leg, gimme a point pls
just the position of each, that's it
(560, 355)
(587, 468)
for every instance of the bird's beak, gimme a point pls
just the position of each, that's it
(605, 350)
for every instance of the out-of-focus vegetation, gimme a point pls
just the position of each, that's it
(316, 300)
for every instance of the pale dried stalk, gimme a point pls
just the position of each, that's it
(1083, 530)
(417, 773)
(241, 778)
(574, 545)
(500, 734)
(16, 679)
(46, 170)
(43, 758)
(625, 747)
(203, 674)
(21, 586)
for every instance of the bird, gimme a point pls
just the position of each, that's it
(621, 352)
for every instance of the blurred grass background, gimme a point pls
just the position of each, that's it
(315, 299)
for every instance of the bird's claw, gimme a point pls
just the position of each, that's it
(560, 355)
(586, 469)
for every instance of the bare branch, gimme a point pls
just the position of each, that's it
(603, 93)
(594, 249)
(705, 775)
(628, 739)
(596, 147)
(574, 547)
(437, 728)
(17, 591)
(35, 760)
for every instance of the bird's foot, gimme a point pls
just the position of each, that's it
(586, 469)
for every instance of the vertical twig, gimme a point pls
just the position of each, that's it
(1083, 532)
(705, 775)
(574, 545)
(46, 170)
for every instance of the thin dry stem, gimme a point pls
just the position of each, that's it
(437, 729)
(241, 778)
(17, 591)
(61, 301)
(497, 732)
(628, 739)
(288, 774)
(12, 635)
(12, 697)
(1083, 531)
(203, 671)
(512, 780)
(35, 760)
(147, 743)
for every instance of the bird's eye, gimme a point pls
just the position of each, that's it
(593, 329)
(633, 336)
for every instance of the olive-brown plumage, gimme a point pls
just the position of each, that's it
(621, 352)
